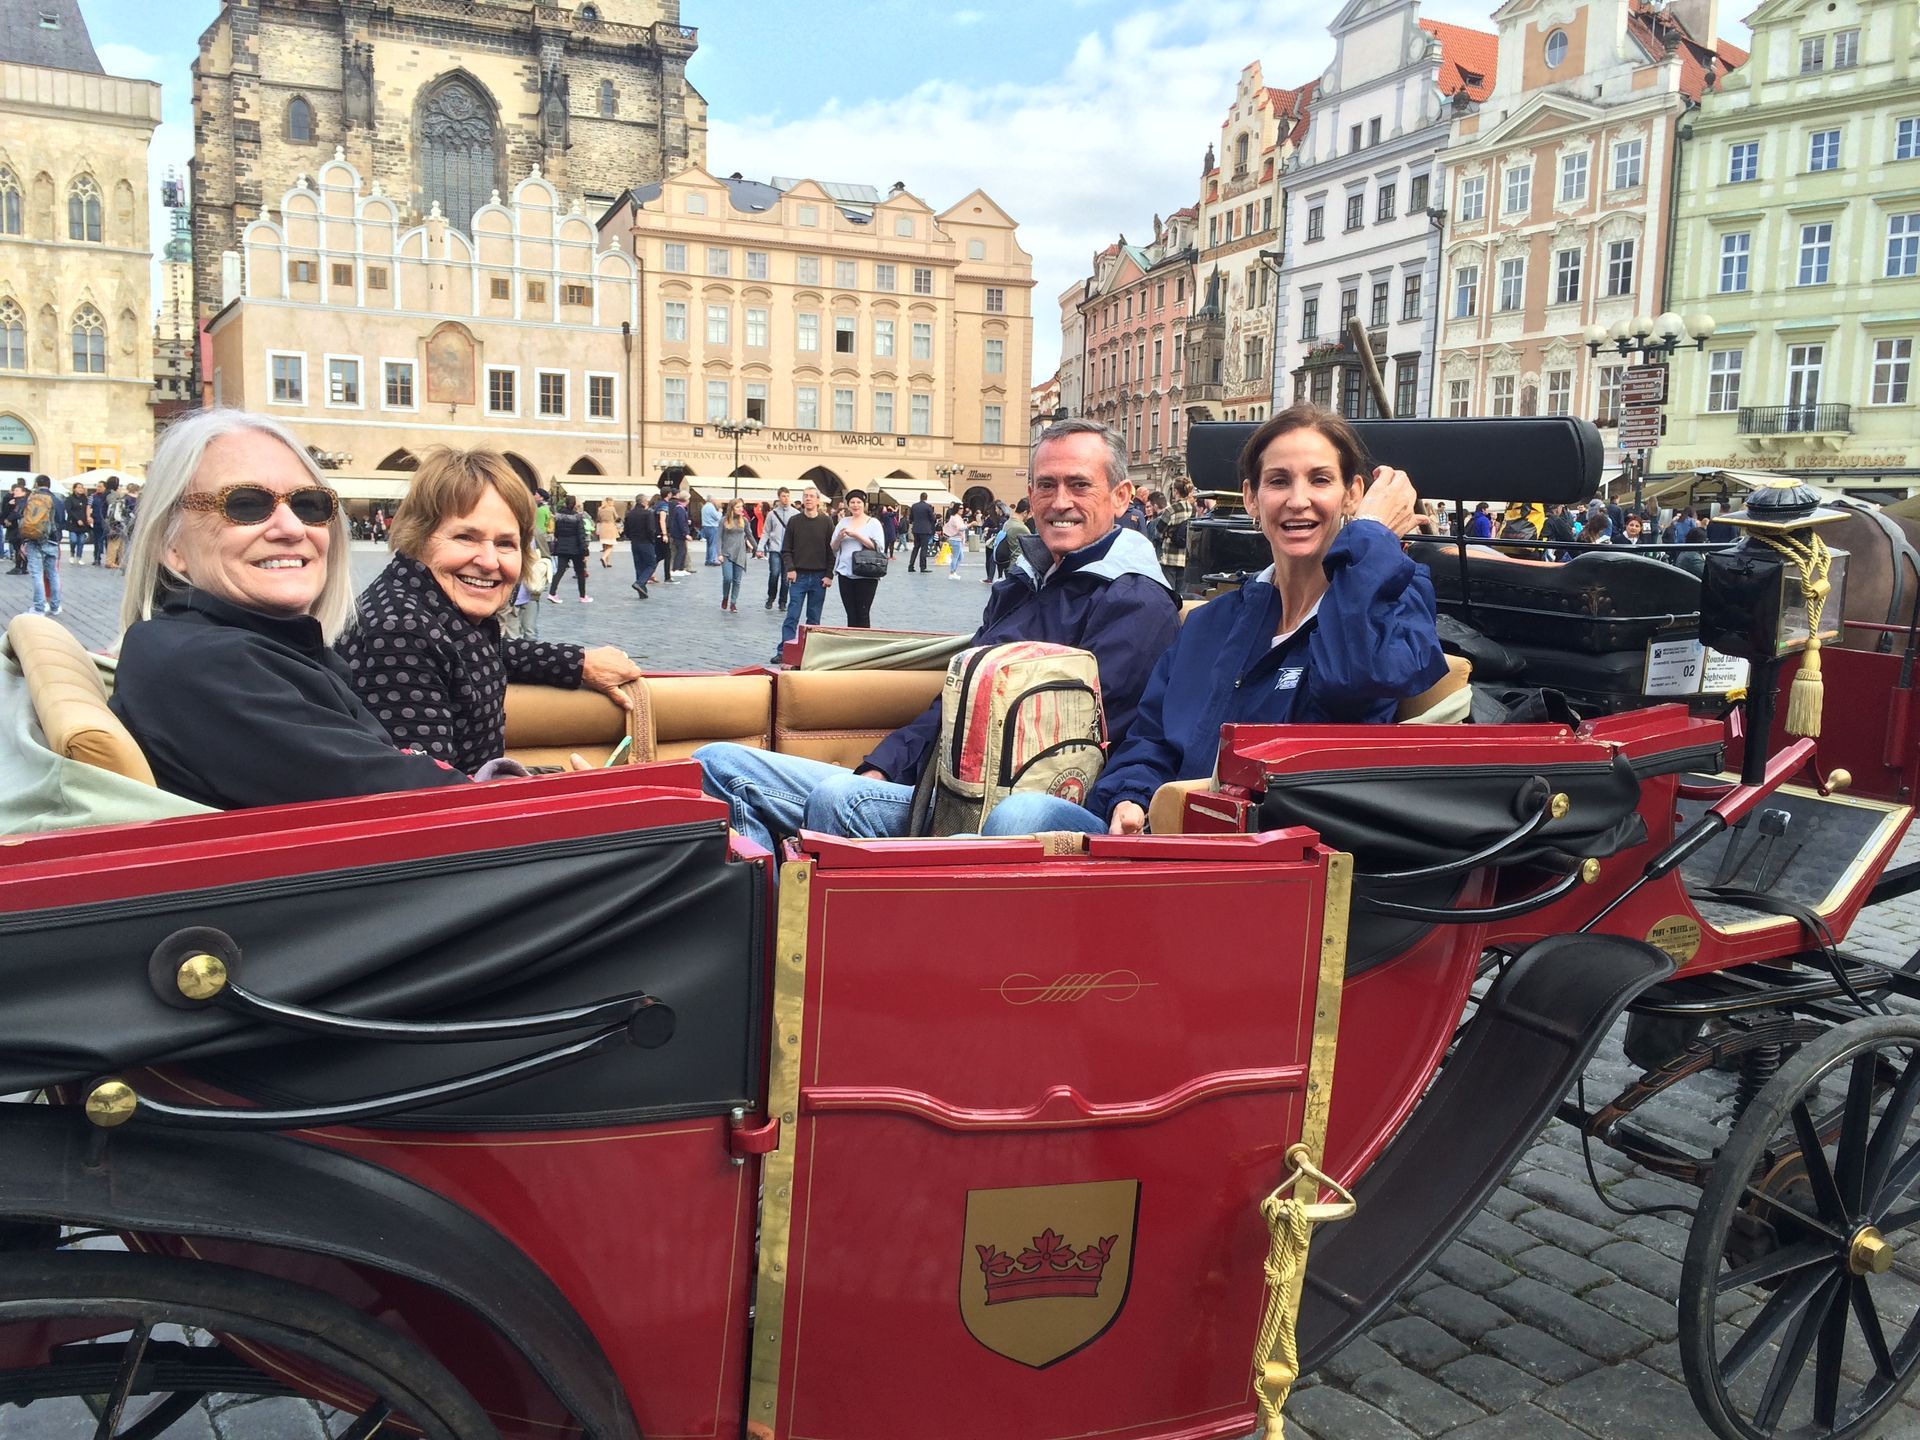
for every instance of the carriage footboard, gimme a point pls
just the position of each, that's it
(1533, 1034)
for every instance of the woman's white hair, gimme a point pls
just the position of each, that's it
(176, 460)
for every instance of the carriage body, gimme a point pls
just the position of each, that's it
(1016, 1153)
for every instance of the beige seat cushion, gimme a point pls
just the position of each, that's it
(839, 715)
(70, 701)
(674, 715)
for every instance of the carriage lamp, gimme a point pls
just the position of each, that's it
(1780, 592)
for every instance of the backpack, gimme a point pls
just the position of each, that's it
(1021, 717)
(36, 517)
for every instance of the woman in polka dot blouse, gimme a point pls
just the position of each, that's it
(425, 647)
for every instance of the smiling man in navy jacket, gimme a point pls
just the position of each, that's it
(1080, 579)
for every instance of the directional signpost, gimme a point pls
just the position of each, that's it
(1643, 395)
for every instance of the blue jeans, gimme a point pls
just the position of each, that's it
(711, 534)
(732, 572)
(771, 796)
(43, 559)
(809, 587)
(959, 553)
(776, 579)
(1031, 813)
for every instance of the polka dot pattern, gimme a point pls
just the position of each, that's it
(433, 678)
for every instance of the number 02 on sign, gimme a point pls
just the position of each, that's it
(1686, 667)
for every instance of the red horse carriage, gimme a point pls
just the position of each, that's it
(545, 1107)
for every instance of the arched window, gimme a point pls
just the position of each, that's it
(89, 342)
(458, 158)
(1240, 153)
(608, 104)
(13, 337)
(299, 120)
(83, 210)
(589, 14)
(9, 203)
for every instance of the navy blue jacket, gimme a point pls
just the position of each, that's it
(1110, 597)
(1371, 644)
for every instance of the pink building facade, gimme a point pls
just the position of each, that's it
(1133, 366)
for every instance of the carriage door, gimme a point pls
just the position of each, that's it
(1029, 1106)
(1804, 364)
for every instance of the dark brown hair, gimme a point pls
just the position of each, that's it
(1337, 432)
(449, 484)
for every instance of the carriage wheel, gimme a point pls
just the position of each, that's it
(143, 1340)
(1810, 1219)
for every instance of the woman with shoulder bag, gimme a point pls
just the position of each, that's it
(859, 560)
(569, 548)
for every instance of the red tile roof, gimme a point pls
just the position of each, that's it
(1468, 58)
(1653, 28)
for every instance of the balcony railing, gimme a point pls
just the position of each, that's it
(1796, 419)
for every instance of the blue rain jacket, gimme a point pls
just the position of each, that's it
(1371, 644)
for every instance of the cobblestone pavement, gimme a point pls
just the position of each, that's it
(1550, 1318)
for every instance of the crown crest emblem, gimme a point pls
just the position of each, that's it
(1048, 1267)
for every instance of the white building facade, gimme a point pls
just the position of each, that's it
(1359, 239)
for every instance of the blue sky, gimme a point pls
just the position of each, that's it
(1082, 118)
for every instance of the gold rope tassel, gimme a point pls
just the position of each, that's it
(1811, 561)
(1290, 1220)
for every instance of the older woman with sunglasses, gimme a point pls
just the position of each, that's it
(237, 579)
(424, 644)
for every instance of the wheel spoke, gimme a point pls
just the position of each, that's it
(1895, 1221)
(369, 1424)
(130, 1360)
(1791, 1362)
(1893, 1124)
(1786, 1302)
(1899, 1179)
(1850, 1154)
(1826, 1191)
(1783, 1261)
(1826, 1360)
(1868, 1314)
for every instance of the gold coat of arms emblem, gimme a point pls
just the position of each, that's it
(1044, 1268)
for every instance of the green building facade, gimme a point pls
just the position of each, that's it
(1797, 228)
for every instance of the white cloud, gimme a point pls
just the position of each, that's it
(132, 63)
(1113, 137)
(966, 17)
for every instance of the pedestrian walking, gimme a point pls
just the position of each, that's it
(642, 529)
(10, 508)
(710, 522)
(955, 533)
(543, 522)
(569, 548)
(679, 527)
(772, 542)
(40, 519)
(607, 526)
(116, 524)
(809, 559)
(857, 536)
(922, 523)
(1173, 534)
(79, 523)
(736, 548)
(522, 620)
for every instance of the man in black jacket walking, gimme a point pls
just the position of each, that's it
(921, 520)
(642, 529)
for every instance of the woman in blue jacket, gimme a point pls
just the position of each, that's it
(1338, 630)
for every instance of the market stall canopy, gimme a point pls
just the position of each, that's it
(90, 478)
(1676, 489)
(905, 492)
(619, 488)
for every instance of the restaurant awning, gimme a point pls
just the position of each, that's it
(754, 489)
(905, 492)
(388, 488)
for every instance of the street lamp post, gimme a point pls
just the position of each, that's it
(948, 474)
(737, 428)
(1654, 342)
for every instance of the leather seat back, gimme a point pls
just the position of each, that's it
(70, 701)
(839, 715)
(674, 715)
